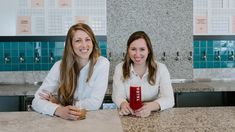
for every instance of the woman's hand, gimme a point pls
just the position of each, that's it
(125, 109)
(67, 112)
(147, 108)
(46, 95)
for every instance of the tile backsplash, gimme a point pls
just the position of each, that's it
(214, 54)
(34, 55)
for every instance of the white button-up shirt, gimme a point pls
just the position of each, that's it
(161, 92)
(89, 94)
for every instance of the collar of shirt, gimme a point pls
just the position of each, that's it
(134, 74)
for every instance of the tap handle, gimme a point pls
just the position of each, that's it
(190, 56)
(51, 54)
(204, 53)
(123, 56)
(177, 56)
(110, 56)
(164, 56)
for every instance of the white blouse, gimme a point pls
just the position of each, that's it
(161, 92)
(90, 94)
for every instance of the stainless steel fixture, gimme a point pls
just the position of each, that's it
(52, 58)
(123, 56)
(21, 58)
(204, 57)
(217, 55)
(190, 57)
(7, 58)
(163, 56)
(177, 56)
(231, 56)
(110, 56)
(36, 57)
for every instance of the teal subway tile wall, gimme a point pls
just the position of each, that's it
(214, 53)
(34, 56)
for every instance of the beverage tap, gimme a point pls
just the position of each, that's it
(110, 56)
(190, 56)
(7, 59)
(52, 58)
(231, 56)
(217, 55)
(37, 57)
(164, 56)
(123, 56)
(177, 56)
(204, 55)
(21, 58)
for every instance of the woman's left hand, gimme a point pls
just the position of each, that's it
(46, 95)
(146, 109)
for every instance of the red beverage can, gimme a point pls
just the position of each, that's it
(135, 97)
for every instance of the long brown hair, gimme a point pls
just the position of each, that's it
(69, 70)
(151, 60)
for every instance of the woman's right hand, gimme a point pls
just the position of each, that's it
(125, 109)
(67, 112)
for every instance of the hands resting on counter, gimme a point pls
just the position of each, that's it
(66, 112)
(71, 113)
(144, 111)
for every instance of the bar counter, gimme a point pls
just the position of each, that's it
(209, 119)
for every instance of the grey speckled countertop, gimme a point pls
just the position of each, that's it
(196, 119)
(199, 119)
(30, 89)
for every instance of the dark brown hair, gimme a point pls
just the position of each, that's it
(151, 61)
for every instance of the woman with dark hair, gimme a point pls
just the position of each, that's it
(140, 67)
(80, 78)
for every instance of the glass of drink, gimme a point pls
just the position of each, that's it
(135, 97)
(80, 109)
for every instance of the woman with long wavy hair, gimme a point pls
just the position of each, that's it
(80, 78)
(141, 69)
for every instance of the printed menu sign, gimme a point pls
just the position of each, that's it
(82, 19)
(37, 3)
(64, 3)
(201, 24)
(24, 25)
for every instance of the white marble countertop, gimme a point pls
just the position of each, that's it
(96, 121)
(209, 119)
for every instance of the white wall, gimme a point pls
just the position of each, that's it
(8, 17)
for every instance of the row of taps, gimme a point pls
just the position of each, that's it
(218, 56)
(177, 57)
(163, 57)
(7, 58)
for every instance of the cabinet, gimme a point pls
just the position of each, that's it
(10, 103)
(204, 99)
(214, 17)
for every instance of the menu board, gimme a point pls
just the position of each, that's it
(54, 17)
(201, 24)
